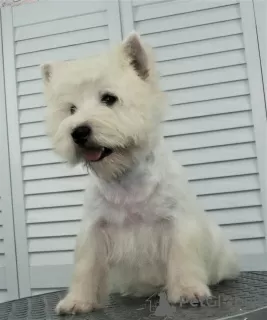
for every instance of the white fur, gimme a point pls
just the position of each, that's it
(143, 230)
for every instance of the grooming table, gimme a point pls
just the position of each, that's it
(242, 299)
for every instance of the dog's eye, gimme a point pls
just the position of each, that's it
(108, 99)
(73, 109)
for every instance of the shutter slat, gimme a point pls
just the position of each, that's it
(28, 73)
(209, 92)
(225, 185)
(56, 185)
(36, 143)
(53, 229)
(223, 169)
(65, 53)
(203, 124)
(53, 244)
(41, 215)
(215, 30)
(210, 139)
(251, 246)
(216, 154)
(202, 62)
(54, 258)
(236, 215)
(54, 200)
(146, 2)
(32, 115)
(40, 157)
(42, 29)
(198, 48)
(32, 129)
(192, 19)
(231, 200)
(50, 171)
(61, 40)
(175, 7)
(248, 231)
(51, 11)
(211, 107)
(31, 101)
(205, 77)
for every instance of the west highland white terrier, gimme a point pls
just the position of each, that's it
(143, 229)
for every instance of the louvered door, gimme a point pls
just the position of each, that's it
(216, 117)
(48, 194)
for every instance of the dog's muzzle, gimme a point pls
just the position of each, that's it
(81, 134)
(91, 152)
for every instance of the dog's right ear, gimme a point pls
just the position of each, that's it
(46, 72)
(136, 53)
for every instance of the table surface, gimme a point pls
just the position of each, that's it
(242, 299)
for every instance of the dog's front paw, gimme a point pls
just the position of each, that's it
(72, 305)
(190, 293)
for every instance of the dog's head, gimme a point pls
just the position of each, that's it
(104, 110)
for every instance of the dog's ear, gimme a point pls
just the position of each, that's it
(136, 53)
(46, 72)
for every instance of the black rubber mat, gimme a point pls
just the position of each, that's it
(232, 300)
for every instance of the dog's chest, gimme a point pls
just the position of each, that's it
(134, 216)
(147, 203)
(133, 213)
(139, 241)
(124, 216)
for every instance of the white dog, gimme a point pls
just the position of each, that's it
(143, 231)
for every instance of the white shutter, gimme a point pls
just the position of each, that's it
(8, 267)
(207, 56)
(47, 194)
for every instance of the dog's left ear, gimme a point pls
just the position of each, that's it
(136, 54)
(46, 69)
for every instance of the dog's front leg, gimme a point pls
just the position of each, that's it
(90, 271)
(186, 271)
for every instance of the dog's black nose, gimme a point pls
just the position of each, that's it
(81, 134)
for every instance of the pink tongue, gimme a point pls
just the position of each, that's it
(93, 155)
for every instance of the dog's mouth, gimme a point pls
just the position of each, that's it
(94, 154)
